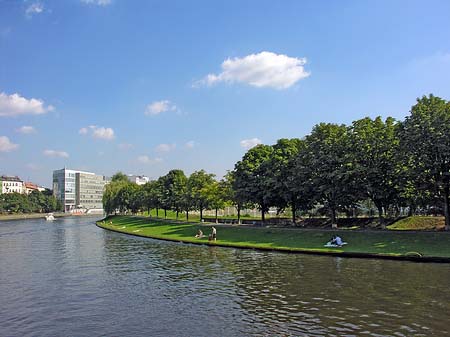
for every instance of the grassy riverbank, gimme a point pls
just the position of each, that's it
(29, 216)
(360, 243)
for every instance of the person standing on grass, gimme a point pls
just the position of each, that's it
(214, 233)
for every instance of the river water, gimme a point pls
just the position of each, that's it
(70, 278)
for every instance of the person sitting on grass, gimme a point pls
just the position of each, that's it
(336, 241)
(199, 234)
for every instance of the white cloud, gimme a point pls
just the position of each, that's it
(83, 131)
(97, 2)
(15, 105)
(158, 107)
(249, 143)
(265, 69)
(6, 145)
(26, 130)
(165, 147)
(98, 132)
(34, 8)
(104, 133)
(144, 159)
(53, 153)
(125, 146)
(190, 144)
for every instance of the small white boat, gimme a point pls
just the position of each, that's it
(49, 217)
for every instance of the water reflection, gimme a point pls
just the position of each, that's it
(72, 278)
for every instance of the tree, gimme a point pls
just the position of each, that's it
(137, 198)
(425, 138)
(174, 187)
(330, 167)
(286, 177)
(115, 196)
(374, 148)
(232, 194)
(216, 193)
(252, 175)
(198, 191)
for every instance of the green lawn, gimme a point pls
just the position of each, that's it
(387, 243)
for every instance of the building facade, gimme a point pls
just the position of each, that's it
(78, 190)
(140, 180)
(89, 189)
(11, 185)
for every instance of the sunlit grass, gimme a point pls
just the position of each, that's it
(436, 244)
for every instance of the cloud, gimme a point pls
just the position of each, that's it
(249, 143)
(190, 144)
(53, 153)
(125, 146)
(165, 147)
(97, 2)
(98, 132)
(34, 8)
(83, 131)
(15, 105)
(6, 145)
(144, 159)
(158, 107)
(26, 130)
(104, 133)
(265, 69)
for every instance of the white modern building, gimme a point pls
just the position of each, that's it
(78, 190)
(11, 185)
(140, 180)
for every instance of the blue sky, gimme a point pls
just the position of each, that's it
(148, 86)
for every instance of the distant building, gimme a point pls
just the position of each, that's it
(140, 180)
(30, 187)
(89, 189)
(78, 190)
(11, 185)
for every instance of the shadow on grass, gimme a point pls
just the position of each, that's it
(379, 242)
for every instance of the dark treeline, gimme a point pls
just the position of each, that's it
(35, 202)
(391, 164)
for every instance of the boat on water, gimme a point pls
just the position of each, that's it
(49, 217)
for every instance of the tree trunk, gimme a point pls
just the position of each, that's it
(165, 213)
(217, 221)
(157, 212)
(201, 214)
(239, 214)
(333, 216)
(187, 215)
(177, 214)
(380, 212)
(263, 218)
(294, 209)
(446, 205)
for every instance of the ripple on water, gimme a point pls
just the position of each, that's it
(72, 278)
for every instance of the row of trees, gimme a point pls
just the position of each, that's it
(336, 167)
(174, 191)
(35, 202)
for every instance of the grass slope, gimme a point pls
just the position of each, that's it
(382, 243)
(419, 223)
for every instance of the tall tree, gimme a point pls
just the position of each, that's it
(330, 167)
(175, 186)
(425, 137)
(198, 191)
(252, 178)
(374, 148)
